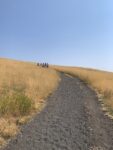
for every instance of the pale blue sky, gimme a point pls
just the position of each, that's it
(64, 32)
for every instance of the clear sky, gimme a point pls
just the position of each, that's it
(65, 32)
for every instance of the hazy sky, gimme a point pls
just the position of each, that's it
(65, 32)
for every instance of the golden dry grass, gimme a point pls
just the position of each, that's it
(23, 88)
(100, 80)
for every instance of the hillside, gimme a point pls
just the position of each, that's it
(101, 81)
(23, 88)
(71, 120)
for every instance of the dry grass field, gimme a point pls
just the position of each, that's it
(23, 88)
(101, 81)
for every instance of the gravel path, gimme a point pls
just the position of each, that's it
(72, 120)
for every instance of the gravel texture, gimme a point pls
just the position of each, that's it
(72, 120)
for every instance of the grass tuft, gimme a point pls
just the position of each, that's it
(16, 104)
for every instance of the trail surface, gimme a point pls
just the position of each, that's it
(72, 120)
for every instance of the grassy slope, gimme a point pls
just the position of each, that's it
(101, 81)
(23, 88)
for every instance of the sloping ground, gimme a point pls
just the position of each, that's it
(23, 89)
(101, 81)
(72, 120)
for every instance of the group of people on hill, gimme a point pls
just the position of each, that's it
(44, 65)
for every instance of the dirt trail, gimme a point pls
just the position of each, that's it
(72, 120)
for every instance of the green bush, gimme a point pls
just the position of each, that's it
(16, 104)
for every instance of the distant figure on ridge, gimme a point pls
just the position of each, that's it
(44, 65)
